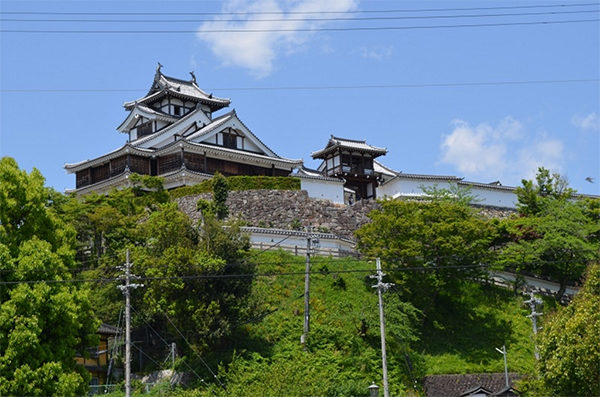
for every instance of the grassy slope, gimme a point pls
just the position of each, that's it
(458, 336)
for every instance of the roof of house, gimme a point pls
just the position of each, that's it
(459, 385)
(351, 144)
(108, 329)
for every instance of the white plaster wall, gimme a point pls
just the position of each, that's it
(495, 198)
(412, 187)
(321, 189)
(409, 187)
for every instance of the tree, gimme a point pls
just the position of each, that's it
(447, 239)
(554, 236)
(568, 344)
(188, 280)
(532, 197)
(220, 193)
(44, 321)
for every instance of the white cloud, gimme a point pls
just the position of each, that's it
(502, 152)
(257, 51)
(589, 122)
(377, 53)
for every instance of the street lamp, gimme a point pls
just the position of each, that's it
(373, 390)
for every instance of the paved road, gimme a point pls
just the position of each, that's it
(544, 286)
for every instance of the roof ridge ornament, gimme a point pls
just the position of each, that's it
(193, 77)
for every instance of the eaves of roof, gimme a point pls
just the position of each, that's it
(125, 149)
(487, 186)
(232, 153)
(296, 233)
(428, 177)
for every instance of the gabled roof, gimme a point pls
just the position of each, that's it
(144, 111)
(179, 125)
(350, 144)
(184, 89)
(457, 385)
(221, 122)
(476, 390)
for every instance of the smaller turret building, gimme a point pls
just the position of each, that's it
(352, 161)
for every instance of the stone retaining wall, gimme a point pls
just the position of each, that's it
(288, 209)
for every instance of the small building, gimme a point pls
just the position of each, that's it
(173, 132)
(99, 356)
(471, 385)
(352, 161)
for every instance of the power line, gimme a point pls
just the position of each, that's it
(196, 352)
(330, 19)
(167, 344)
(323, 87)
(314, 29)
(222, 13)
(248, 275)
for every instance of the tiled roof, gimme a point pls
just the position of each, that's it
(458, 385)
(178, 87)
(314, 174)
(298, 233)
(491, 186)
(382, 169)
(108, 329)
(426, 176)
(351, 144)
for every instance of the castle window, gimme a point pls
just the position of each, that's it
(144, 129)
(230, 141)
(176, 110)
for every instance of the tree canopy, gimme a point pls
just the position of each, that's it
(44, 322)
(554, 235)
(568, 344)
(445, 238)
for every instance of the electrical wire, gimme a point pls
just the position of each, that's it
(167, 344)
(387, 18)
(195, 351)
(313, 29)
(324, 87)
(222, 13)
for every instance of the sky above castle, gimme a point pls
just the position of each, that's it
(482, 90)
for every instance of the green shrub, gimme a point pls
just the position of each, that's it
(241, 182)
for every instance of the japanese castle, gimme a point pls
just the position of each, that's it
(173, 133)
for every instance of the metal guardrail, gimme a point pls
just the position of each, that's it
(102, 389)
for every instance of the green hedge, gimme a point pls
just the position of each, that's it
(241, 182)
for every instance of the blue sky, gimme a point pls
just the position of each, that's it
(488, 102)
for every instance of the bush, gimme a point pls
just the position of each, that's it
(241, 182)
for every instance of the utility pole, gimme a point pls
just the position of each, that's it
(125, 289)
(304, 337)
(503, 352)
(533, 302)
(382, 287)
(173, 355)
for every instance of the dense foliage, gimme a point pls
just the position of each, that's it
(242, 182)
(555, 236)
(240, 312)
(43, 322)
(569, 350)
(445, 239)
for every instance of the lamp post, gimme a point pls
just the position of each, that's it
(373, 390)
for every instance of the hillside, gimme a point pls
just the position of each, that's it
(343, 357)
